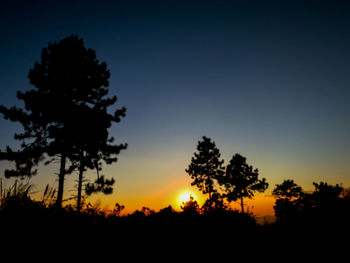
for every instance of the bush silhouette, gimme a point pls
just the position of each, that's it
(190, 208)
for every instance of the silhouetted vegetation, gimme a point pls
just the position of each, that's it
(66, 116)
(287, 197)
(327, 208)
(190, 207)
(241, 180)
(324, 211)
(206, 167)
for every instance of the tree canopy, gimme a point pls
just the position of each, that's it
(288, 189)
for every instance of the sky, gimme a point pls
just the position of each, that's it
(267, 79)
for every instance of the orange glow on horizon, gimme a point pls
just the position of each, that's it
(260, 205)
(172, 193)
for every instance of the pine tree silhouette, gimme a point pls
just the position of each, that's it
(65, 115)
(206, 167)
(241, 180)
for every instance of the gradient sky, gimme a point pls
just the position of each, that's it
(267, 79)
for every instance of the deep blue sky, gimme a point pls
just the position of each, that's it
(268, 79)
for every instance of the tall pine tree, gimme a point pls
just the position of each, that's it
(206, 167)
(65, 115)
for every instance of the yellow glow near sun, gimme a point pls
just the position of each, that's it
(185, 197)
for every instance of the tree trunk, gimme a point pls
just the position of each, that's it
(80, 184)
(242, 205)
(61, 181)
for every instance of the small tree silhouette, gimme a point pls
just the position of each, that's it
(325, 192)
(288, 203)
(241, 180)
(326, 198)
(206, 167)
(117, 210)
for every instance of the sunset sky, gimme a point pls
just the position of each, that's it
(267, 79)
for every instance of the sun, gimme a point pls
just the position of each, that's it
(185, 197)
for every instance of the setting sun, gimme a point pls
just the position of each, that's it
(185, 197)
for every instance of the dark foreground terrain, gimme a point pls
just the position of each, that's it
(316, 228)
(212, 230)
